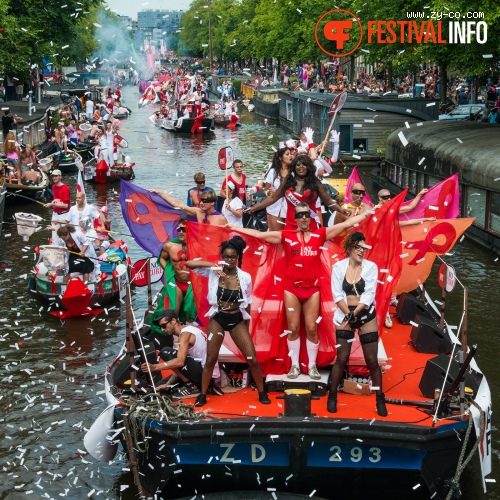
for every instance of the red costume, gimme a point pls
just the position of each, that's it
(293, 199)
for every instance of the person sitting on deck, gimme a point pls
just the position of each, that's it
(31, 177)
(186, 361)
(207, 214)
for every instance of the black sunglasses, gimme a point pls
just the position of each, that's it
(206, 200)
(181, 229)
(386, 197)
(301, 215)
(200, 182)
(164, 325)
(358, 191)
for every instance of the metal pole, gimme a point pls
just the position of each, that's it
(150, 298)
(443, 297)
(129, 340)
(39, 93)
(30, 102)
(210, 38)
(463, 352)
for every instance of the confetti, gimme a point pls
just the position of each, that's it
(403, 139)
(429, 104)
(461, 142)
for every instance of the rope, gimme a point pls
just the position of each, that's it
(157, 408)
(454, 483)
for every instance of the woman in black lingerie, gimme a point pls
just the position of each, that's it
(354, 281)
(230, 296)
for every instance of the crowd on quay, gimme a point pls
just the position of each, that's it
(291, 192)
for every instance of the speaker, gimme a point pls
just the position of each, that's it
(409, 306)
(429, 338)
(434, 374)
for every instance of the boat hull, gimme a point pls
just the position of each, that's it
(186, 125)
(297, 455)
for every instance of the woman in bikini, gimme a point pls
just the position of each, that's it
(230, 296)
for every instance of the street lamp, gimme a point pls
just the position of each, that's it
(210, 38)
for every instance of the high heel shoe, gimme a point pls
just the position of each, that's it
(201, 400)
(381, 408)
(264, 398)
(332, 402)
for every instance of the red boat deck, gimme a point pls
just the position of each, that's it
(401, 379)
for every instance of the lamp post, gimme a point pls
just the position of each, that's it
(210, 38)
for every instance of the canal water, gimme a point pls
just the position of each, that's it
(51, 370)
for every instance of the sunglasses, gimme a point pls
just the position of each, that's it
(181, 229)
(359, 248)
(358, 191)
(301, 215)
(386, 197)
(163, 326)
(200, 182)
(206, 200)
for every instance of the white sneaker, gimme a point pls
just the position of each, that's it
(394, 301)
(294, 372)
(388, 321)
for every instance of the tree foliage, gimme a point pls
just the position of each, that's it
(284, 29)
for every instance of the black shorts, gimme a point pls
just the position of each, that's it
(363, 317)
(82, 265)
(228, 321)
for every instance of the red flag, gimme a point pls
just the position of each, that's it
(421, 244)
(226, 158)
(80, 188)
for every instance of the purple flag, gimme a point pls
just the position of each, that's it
(151, 220)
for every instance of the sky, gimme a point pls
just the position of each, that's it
(132, 7)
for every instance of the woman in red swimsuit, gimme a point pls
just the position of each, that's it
(300, 186)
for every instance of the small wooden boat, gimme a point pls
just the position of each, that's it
(102, 173)
(67, 164)
(76, 298)
(223, 121)
(186, 125)
(34, 191)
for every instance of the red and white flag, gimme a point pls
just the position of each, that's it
(80, 188)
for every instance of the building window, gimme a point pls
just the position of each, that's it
(345, 130)
(412, 181)
(476, 205)
(289, 111)
(433, 181)
(360, 146)
(404, 180)
(495, 212)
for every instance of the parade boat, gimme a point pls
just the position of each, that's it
(75, 298)
(294, 445)
(201, 124)
(223, 121)
(102, 173)
(67, 164)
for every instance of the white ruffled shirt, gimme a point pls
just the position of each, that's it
(213, 283)
(369, 273)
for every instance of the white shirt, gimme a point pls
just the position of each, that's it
(89, 107)
(369, 273)
(235, 204)
(213, 283)
(88, 211)
(199, 351)
(278, 208)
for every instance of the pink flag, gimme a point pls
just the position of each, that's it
(80, 188)
(354, 178)
(442, 201)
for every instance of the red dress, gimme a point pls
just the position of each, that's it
(292, 200)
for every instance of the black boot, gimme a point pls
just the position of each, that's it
(264, 398)
(201, 400)
(332, 402)
(381, 408)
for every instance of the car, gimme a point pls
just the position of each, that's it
(463, 112)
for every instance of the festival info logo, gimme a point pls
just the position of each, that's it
(338, 33)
